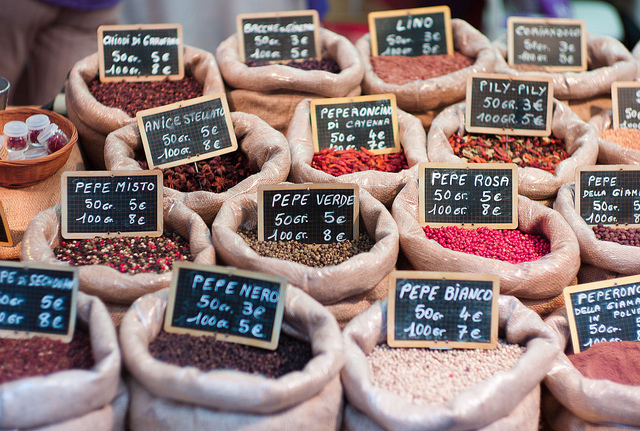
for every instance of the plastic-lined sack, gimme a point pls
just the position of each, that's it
(612, 153)
(168, 397)
(95, 121)
(509, 400)
(384, 186)
(580, 140)
(266, 149)
(426, 98)
(272, 92)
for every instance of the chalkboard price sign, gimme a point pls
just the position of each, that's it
(557, 44)
(150, 52)
(625, 103)
(603, 311)
(5, 232)
(411, 32)
(187, 131)
(608, 194)
(443, 310)
(346, 123)
(473, 194)
(111, 203)
(37, 300)
(309, 213)
(279, 36)
(505, 104)
(238, 306)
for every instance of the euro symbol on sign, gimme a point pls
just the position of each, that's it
(538, 121)
(538, 105)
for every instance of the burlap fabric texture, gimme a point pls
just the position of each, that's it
(384, 186)
(266, 149)
(95, 121)
(506, 401)
(272, 92)
(611, 153)
(169, 397)
(426, 98)
(580, 140)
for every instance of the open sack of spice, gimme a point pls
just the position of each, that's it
(262, 157)
(98, 108)
(382, 175)
(616, 146)
(179, 381)
(407, 389)
(424, 85)
(272, 91)
(544, 163)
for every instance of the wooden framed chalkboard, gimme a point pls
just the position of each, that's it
(111, 203)
(318, 213)
(279, 36)
(149, 52)
(442, 310)
(625, 104)
(509, 105)
(411, 32)
(468, 194)
(187, 131)
(238, 306)
(608, 194)
(5, 232)
(603, 311)
(37, 300)
(353, 122)
(556, 44)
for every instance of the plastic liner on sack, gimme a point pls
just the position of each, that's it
(611, 153)
(538, 279)
(95, 121)
(266, 149)
(168, 397)
(44, 234)
(508, 400)
(425, 98)
(384, 186)
(580, 140)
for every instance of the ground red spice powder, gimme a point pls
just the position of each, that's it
(617, 361)
(340, 162)
(400, 70)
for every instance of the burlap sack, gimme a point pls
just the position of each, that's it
(95, 121)
(109, 284)
(347, 288)
(611, 153)
(506, 401)
(601, 402)
(266, 149)
(580, 140)
(426, 98)
(272, 92)
(542, 278)
(384, 186)
(72, 400)
(168, 397)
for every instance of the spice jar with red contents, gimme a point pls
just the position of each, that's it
(35, 125)
(15, 136)
(52, 138)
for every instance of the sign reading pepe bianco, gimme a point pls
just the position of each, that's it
(5, 232)
(625, 104)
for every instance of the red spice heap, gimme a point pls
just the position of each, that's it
(618, 361)
(400, 70)
(510, 246)
(307, 64)
(533, 151)
(340, 162)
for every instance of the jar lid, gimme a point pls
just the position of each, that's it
(15, 129)
(38, 121)
(35, 152)
(47, 132)
(16, 155)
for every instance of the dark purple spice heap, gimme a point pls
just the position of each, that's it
(307, 64)
(624, 236)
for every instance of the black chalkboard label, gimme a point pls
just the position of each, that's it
(37, 300)
(608, 194)
(411, 32)
(111, 203)
(353, 122)
(150, 52)
(603, 311)
(468, 194)
(5, 232)
(509, 105)
(556, 44)
(625, 104)
(187, 131)
(443, 310)
(279, 36)
(238, 306)
(309, 213)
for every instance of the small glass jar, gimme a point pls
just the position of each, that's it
(15, 136)
(35, 125)
(52, 138)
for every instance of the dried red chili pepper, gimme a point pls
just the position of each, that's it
(340, 162)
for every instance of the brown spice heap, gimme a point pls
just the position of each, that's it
(396, 69)
(618, 361)
(40, 356)
(624, 236)
(340, 162)
(132, 97)
(627, 138)
(307, 64)
(129, 255)
(207, 353)
(314, 255)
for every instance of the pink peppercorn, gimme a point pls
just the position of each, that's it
(15, 135)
